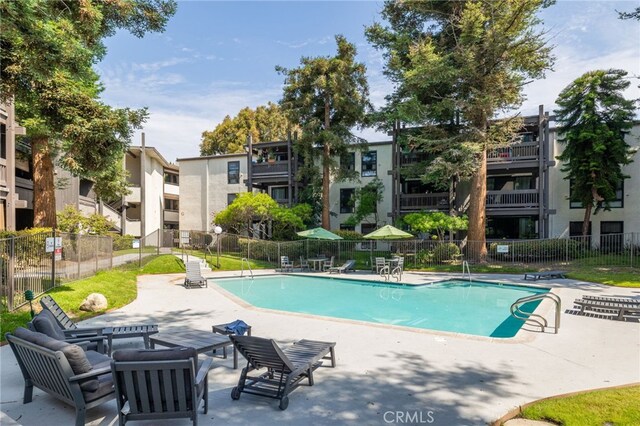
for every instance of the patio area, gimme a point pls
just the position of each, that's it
(383, 373)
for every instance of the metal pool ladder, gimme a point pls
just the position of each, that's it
(465, 266)
(535, 318)
(242, 262)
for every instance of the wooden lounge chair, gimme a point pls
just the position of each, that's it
(615, 310)
(546, 275)
(193, 275)
(114, 332)
(628, 300)
(160, 384)
(346, 267)
(286, 368)
(63, 370)
(92, 338)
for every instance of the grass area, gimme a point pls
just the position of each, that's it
(618, 277)
(118, 285)
(602, 407)
(228, 262)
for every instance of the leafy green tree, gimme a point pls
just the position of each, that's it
(288, 221)
(366, 200)
(435, 222)
(326, 97)
(47, 50)
(72, 220)
(593, 118)
(264, 124)
(462, 62)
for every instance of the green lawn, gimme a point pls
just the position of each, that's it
(619, 277)
(617, 407)
(118, 285)
(228, 262)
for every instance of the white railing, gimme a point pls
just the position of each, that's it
(517, 198)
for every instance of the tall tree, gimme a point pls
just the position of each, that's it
(264, 124)
(47, 50)
(327, 97)
(593, 118)
(466, 59)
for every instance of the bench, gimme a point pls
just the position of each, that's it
(546, 275)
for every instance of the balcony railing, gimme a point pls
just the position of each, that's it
(171, 216)
(512, 199)
(433, 201)
(270, 168)
(518, 152)
(408, 159)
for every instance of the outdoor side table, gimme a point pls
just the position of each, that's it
(201, 341)
(222, 329)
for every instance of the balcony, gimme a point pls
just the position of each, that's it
(411, 158)
(171, 216)
(171, 189)
(418, 202)
(135, 196)
(519, 155)
(518, 199)
(3, 172)
(269, 169)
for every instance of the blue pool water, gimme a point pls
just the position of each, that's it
(458, 306)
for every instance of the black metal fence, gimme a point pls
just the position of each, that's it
(613, 250)
(39, 262)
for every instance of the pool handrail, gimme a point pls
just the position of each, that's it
(242, 262)
(465, 263)
(535, 318)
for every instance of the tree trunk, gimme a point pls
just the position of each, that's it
(326, 157)
(587, 219)
(476, 235)
(44, 196)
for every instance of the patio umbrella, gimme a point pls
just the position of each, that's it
(388, 232)
(319, 234)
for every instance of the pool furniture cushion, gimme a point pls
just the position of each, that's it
(286, 368)
(90, 339)
(160, 384)
(119, 332)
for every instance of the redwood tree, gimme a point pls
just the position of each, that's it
(327, 97)
(466, 59)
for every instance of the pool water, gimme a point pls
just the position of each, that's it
(476, 308)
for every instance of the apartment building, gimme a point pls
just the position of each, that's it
(10, 200)
(527, 196)
(208, 185)
(153, 201)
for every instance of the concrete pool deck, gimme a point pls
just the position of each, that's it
(384, 375)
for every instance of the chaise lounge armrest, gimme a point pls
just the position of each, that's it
(84, 341)
(91, 374)
(204, 370)
(89, 331)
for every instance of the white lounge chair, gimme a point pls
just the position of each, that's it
(193, 277)
(346, 267)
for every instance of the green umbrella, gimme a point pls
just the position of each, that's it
(319, 234)
(388, 232)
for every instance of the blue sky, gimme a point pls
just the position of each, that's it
(217, 57)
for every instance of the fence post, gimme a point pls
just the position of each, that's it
(566, 251)
(53, 259)
(140, 251)
(78, 238)
(158, 245)
(248, 248)
(11, 272)
(278, 259)
(633, 246)
(110, 252)
(97, 249)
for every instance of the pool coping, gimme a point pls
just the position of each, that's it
(520, 337)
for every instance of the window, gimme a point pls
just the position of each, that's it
(345, 227)
(171, 178)
(3, 141)
(575, 232)
(611, 236)
(171, 204)
(280, 194)
(618, 203)
(233, 172)
(369, 164)
(348, 162)
(346, 200)
(366, 228)
(231, 197)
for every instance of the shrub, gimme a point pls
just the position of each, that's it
(348, 235)
(122, 242)
(445, 252)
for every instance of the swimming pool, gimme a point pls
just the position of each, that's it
(476, 308)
